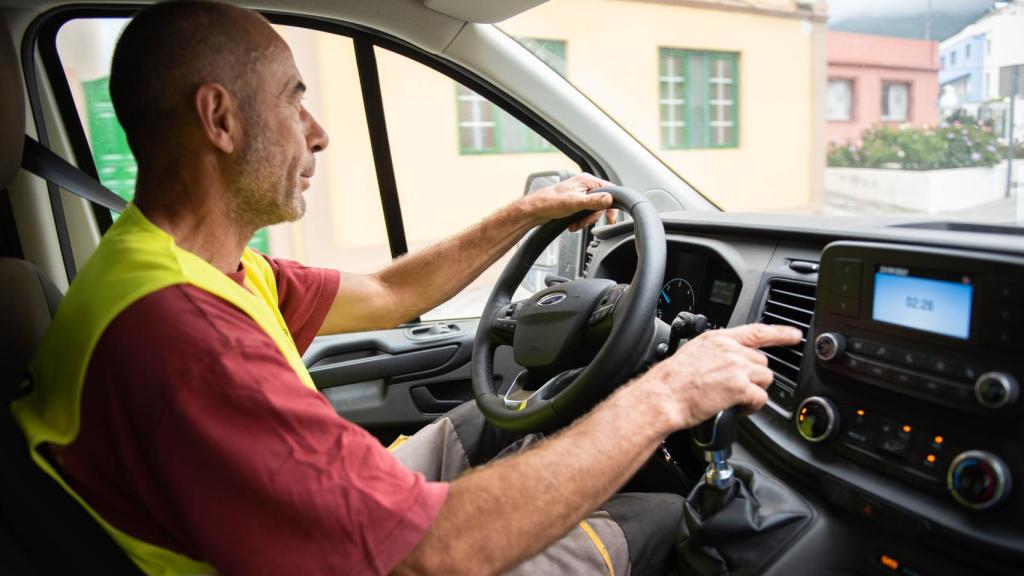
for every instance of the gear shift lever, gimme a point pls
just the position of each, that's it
(715, 438)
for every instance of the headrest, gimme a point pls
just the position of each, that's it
(28, 300)
(12, 108)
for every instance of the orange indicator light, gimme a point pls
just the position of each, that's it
(938, 440)
(803, 411)
(930, 458)
(906, 428)
(860, 412)
(890, 562)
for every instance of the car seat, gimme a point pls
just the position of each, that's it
(43, 530)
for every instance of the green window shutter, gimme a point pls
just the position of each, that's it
(484, 128)
(698, 98)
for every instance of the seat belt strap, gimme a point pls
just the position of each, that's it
(43, 162)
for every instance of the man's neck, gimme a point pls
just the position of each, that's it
(200, 223)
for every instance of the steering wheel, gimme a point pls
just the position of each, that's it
(577, 340)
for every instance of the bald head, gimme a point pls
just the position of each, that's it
(171, 49)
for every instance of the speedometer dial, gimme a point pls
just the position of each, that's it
(676, 296)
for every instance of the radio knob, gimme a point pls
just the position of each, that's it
(829, 346)
(817, 419)
(978, 480)
(996, 389)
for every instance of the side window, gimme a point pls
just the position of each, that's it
(456, 160)
(442, 188)
(343, 226)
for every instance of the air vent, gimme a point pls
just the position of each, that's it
(789, 303)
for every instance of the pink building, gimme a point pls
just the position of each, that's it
(879, 80)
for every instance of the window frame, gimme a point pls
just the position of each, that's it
(687, 121)
(851, 82)
(906, 113)
(42, 33)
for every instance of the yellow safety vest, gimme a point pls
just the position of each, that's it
(135, 258)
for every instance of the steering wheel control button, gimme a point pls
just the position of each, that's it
(817, 419)
(505, 325)
(829, 346)
(978, 480)
(995, 390)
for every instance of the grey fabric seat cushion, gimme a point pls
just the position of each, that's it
(28, 300)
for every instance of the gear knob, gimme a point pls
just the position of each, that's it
(715, 438)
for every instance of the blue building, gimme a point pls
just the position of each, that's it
(962, 67)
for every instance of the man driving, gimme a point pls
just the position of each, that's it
(170, 399)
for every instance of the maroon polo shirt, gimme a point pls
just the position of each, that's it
(197, 436)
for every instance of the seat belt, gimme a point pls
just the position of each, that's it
(43, 162)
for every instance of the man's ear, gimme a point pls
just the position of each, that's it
(218, 116)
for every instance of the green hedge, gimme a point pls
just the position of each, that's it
(961, 142)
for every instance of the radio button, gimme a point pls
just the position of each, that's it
(844, 306)
(877, 370)
(859, 346)
(964, 372)
(904, 379)
(996, 389)
(846, 277)
(938, 365)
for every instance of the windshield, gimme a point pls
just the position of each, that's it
(845, 107)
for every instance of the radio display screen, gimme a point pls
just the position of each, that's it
(930, 302)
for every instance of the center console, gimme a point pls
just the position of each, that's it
(919, 362)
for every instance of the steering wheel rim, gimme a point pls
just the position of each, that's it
(617, 357)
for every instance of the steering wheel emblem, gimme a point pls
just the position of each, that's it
(551, 299)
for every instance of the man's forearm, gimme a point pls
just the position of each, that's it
(419, 281)
(518, 505)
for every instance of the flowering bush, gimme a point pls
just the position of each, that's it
(960, 142)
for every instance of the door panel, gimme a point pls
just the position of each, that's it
(396, 381)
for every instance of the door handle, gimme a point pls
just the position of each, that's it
(327, 374)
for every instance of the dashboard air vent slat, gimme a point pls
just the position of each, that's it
(788, 303)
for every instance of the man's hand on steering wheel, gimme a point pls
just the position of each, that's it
(569, 197)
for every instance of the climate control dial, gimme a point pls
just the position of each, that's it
(817, 419)
(978, 480)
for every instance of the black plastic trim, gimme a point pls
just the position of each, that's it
(53, 192)
(47, 43)
(373, 105)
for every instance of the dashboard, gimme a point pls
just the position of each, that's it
(900, 415)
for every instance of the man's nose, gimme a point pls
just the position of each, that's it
(316, 135)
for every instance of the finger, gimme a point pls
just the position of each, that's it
(599, 201)
(588, 220)
(760, 335)
(592, 181)
(753, 400)
(752, 355)
(611, 215)
(761, 376)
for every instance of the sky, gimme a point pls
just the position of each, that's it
(842, 9)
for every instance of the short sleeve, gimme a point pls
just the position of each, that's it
(266, 477)
(305, 295)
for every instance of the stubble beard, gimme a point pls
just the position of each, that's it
(266, 191)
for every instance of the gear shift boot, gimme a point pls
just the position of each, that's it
(739, 530)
